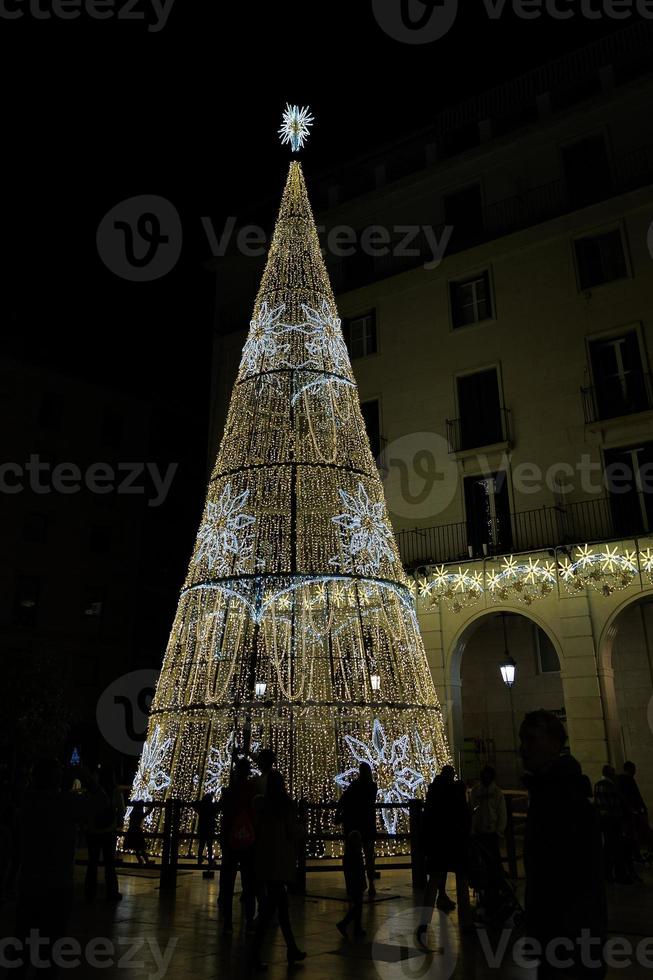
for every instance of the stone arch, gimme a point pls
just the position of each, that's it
(456, 650)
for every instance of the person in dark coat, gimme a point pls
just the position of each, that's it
(446, 828)
(611, 812)
(207, 814)
(47, 825)
(277, 836)
(637, 827)
(135, 836)
(238, 845)
(106, 810)
(565, 890)
(356, 811)
(354, 870)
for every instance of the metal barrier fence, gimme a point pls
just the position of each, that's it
(172, 838)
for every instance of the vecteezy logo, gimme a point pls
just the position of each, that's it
(140, 238)
(415, 21)
(420, 478)
(123, 709)
(398, 954)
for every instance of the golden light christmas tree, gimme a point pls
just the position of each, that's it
(296, 626)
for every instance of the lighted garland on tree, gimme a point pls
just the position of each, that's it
(296, 627)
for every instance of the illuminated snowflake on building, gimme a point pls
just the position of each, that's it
(365, 533)
(223, 537)
(152, 777)
(295, 126)
(263, 340)
(397, 781)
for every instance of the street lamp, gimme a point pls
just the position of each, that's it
(508, 668)
(260, 688)
(375, 681)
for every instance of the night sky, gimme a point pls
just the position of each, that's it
(95, 112)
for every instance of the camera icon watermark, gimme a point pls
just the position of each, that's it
(123, 709)
(398, 955)
(140, 239)
(419, 474)
(415, 21)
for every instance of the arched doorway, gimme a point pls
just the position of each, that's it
(626, 656)
(489, 711)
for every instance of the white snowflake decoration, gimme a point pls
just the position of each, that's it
(218, 765)
(223, 536)
(263, 338)
(426, 759)
(151, 776)
(396, 779)
(325, 344)
(365, 533)
(295, 125)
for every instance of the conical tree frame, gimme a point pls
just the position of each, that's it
(296, 627)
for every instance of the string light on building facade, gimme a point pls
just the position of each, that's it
(604, 571)
(521, 581)
(296, 626)
(459, 589)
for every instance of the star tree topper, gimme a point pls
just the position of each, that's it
(295, 125)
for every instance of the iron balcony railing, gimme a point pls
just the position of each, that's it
(478, 430)
(617, 396)
(594, 519)
(629, 171)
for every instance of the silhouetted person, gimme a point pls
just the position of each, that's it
(207, 814)
(353, 867)
(46, 836)
(565, 891)
(356, 810)
(277, 833)
(135, 836)
(266, 760)
(106, 810)
(638, 829)
(237, 843)
(445, 833)
(489, 819)
(610, 808)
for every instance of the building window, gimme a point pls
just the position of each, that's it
(360, 334)
(471, 300)
(372, 418)
(621, 386)
(99, 539)
(51, 411)
(35, 528)
(587, 171)
(600, 258)
(487, 511)
(111, 430)
(480, 415)
(463, 210)
(26, 600)
(628, 473)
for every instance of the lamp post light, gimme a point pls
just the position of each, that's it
(375, 681)
(260, 688)
(508, 672)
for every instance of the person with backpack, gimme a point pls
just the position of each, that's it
(237, 843)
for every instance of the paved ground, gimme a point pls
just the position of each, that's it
(187, 927)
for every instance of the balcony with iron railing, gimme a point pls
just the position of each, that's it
(478, 431)
(594, 519)
(615, 397)
(629, 171)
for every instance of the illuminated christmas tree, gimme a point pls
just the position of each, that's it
(296, 626)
